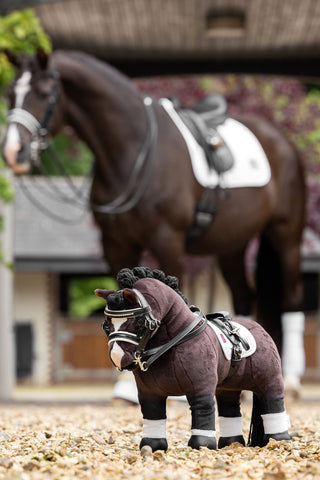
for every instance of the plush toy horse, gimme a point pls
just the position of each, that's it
(174, 350)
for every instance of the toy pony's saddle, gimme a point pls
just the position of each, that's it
(202, 120)
(236, 341)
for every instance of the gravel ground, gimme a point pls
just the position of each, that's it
(47, 441)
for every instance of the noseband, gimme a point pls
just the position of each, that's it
(38, 130)
(142, 357)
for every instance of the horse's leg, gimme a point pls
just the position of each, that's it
(279, 301)
(203, 432)
(153, 410)
(119, 252)
(167, 245)
(269, 420)
(233, 270)
(230, 420)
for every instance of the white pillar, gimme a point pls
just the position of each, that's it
(7, 351)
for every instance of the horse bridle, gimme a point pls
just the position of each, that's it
(144, 358)
(38, 130)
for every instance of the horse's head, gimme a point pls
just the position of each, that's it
(34, 96)
(129, 323)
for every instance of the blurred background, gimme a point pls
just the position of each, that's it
(262, 55)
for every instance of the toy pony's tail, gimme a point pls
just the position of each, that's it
(256, 433)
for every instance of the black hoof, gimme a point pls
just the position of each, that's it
(226, 441)
(276, 436)
(154, 443)
(197, 441)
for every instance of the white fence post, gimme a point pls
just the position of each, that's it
(7, 349)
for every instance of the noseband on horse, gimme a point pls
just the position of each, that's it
(38, 129)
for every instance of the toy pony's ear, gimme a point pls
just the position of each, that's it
(103, 293)
(130, 296)
(42, 57)
(13, 59)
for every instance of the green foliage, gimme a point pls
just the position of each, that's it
(20, 33)
(82, 300)
(71, 156)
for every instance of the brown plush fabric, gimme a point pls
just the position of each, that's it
(198, 366)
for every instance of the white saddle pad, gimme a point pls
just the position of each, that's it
(251, 167)
(226, 345)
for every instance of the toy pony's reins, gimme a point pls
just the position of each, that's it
(144, 358)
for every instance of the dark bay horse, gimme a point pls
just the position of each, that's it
(144, 191)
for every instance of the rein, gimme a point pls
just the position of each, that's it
(182, 337)
(131, 196)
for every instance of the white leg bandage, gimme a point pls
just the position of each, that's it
(230, 426)
(293, 357)
(275, 422)
(204, 433)
(154, 428)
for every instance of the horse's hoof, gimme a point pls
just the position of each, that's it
(276, 436)
(197, 441)
(154, 443)
(226, 441)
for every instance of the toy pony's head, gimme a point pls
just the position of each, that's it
(129, 324)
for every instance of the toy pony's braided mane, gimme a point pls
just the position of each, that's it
(127, 278)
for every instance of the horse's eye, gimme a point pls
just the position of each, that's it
(43, 88)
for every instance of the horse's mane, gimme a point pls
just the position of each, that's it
(94, 65)
(127, 278)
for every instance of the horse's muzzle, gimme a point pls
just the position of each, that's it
(122, 358)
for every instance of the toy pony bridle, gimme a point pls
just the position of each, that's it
(144, 358)
(38, 130)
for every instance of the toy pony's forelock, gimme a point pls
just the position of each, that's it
(126, 278)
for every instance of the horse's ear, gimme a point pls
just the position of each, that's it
(42, 57)
(103, 293)
(130, 296)
(13, 59)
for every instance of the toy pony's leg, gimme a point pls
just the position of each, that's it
(203, 432)
(230, 420)
(269, 420)
(154, 422)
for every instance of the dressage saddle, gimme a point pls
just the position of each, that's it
(202, 119)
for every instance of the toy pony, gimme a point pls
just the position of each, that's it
(175, 350)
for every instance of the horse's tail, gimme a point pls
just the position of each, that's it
(256, 433)
(269, 290)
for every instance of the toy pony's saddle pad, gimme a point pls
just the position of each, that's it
(227, 345)
(251, 167)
